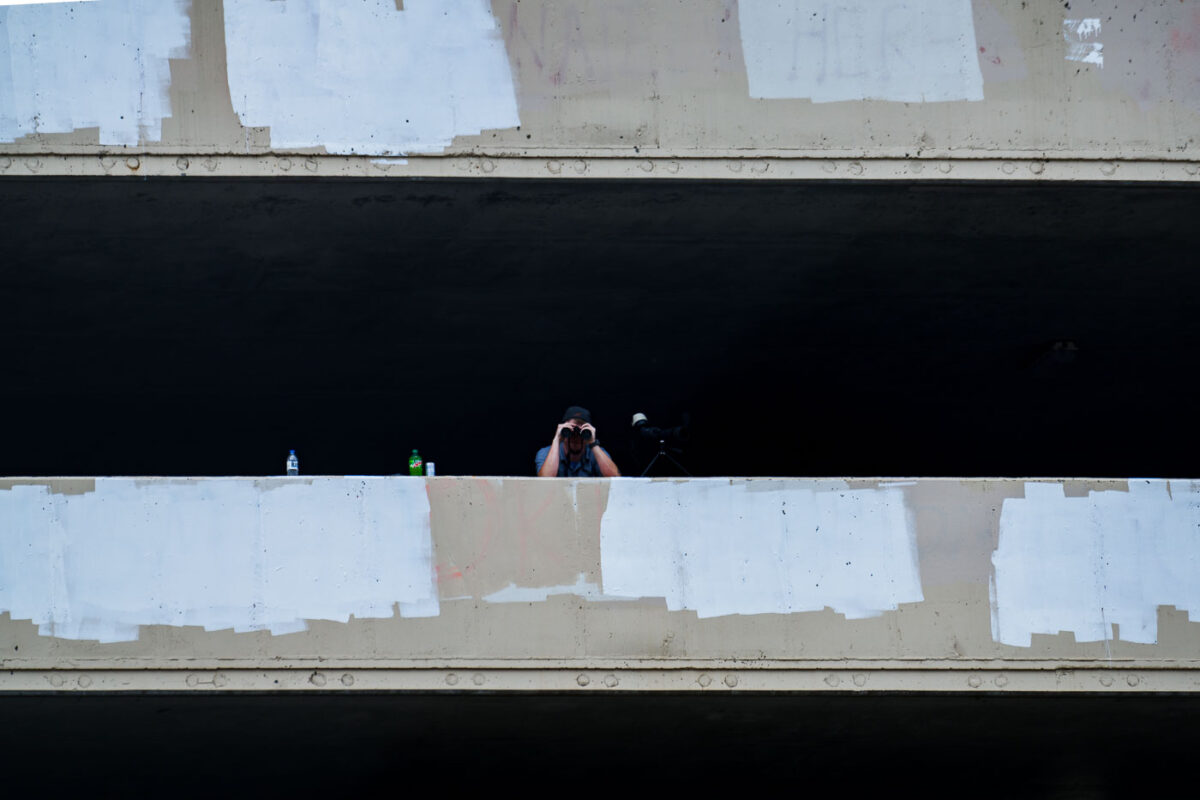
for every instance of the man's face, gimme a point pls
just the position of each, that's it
(575, 443)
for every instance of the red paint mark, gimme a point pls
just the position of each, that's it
(441, 577)
(996, 60)
(983, 49)
(1184, 42)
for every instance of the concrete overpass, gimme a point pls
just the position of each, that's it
(851, 239)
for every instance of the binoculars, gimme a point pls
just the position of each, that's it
(579, 433)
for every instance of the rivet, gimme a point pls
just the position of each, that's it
(316, 679)
(451, 679)
(487, 165)
(916, 166)
(210, 164)
(1008, 168)
(1037, 167)
(1190, 169)
(610, 681)
(133, 162)
(192, 680)
(829, 166)
(310, 164)
(57, 680)
(759, 166)
(1108, 167)
(735, 166)
(477, 679)
(5, 162)
(554, 167)
(583, 680)
(860, 680)
(219, 680)
(672, 167)
(731, 681)
(833, 680)
(1106, 680)
(182, 163)
(84, 681)
(855, 168)
(285, 164)
(704, 680)
(580, 167)
(646, 166)
(1133, 680)
(33, 164)
(945, 167)
(347, 679)
(107, 163)
(1001, 681)
(974, 681)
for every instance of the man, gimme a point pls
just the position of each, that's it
(575, 453)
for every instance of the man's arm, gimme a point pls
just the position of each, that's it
(549, 468)
(604, 461)
(608, 469)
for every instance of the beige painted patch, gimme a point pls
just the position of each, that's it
(55, 485)
(487, 538)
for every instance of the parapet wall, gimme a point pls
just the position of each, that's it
(515, 583)
(857, 89)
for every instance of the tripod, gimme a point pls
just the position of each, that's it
(662, 453)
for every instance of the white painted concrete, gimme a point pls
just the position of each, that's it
(219, 553)
(719, 547)
(364, 77)
(101, 65)
(911, 51)
(1098, 566)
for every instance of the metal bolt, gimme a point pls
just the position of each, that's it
(860, 680)
(316, 679)
(1001, 681)
(974, 681)
(192, 680)
(487, 165)
(84, 681)
(583, 680)
(916, 166)
(554, 167)
(182, 164)
(731, 681)
(704, 681)
(133, 162)
(1108, 167)
(33, 164)
(1037, 167)
(347, 679)
(310, 164)
(855, 168)
(1133, 680)
(1106, 680)
(735, 166)
(477, 679)
(1008, 168)
(945, 167)
(219, 680)
(210, 164)
(829, 166)
(5, 162)
(451, 679)
(57, 680)
(833, 680)
(672, 167)
(759, 166)
(580, 167)
(646, 166)
(285, 164)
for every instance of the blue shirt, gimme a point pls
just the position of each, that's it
(585, 467)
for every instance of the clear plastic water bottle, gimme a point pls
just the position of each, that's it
(415, 465)
(293, 463)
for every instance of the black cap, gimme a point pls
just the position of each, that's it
(577, 412)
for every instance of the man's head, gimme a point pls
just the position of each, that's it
(577, 416)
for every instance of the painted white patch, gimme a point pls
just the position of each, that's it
(1081, 36)
(39, 2)
(1084, 564)
(908, 51)
(364, 77)
(217, 553)
(525, 594)
(758, 547)
(84, 65)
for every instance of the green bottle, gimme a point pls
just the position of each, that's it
(415, 465)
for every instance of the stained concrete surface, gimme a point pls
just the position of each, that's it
(983, 746)
(206, 326)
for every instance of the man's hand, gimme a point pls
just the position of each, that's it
(564, 429)
(588, 431)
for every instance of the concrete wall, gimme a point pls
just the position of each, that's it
(645, 584)
(719, 88)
